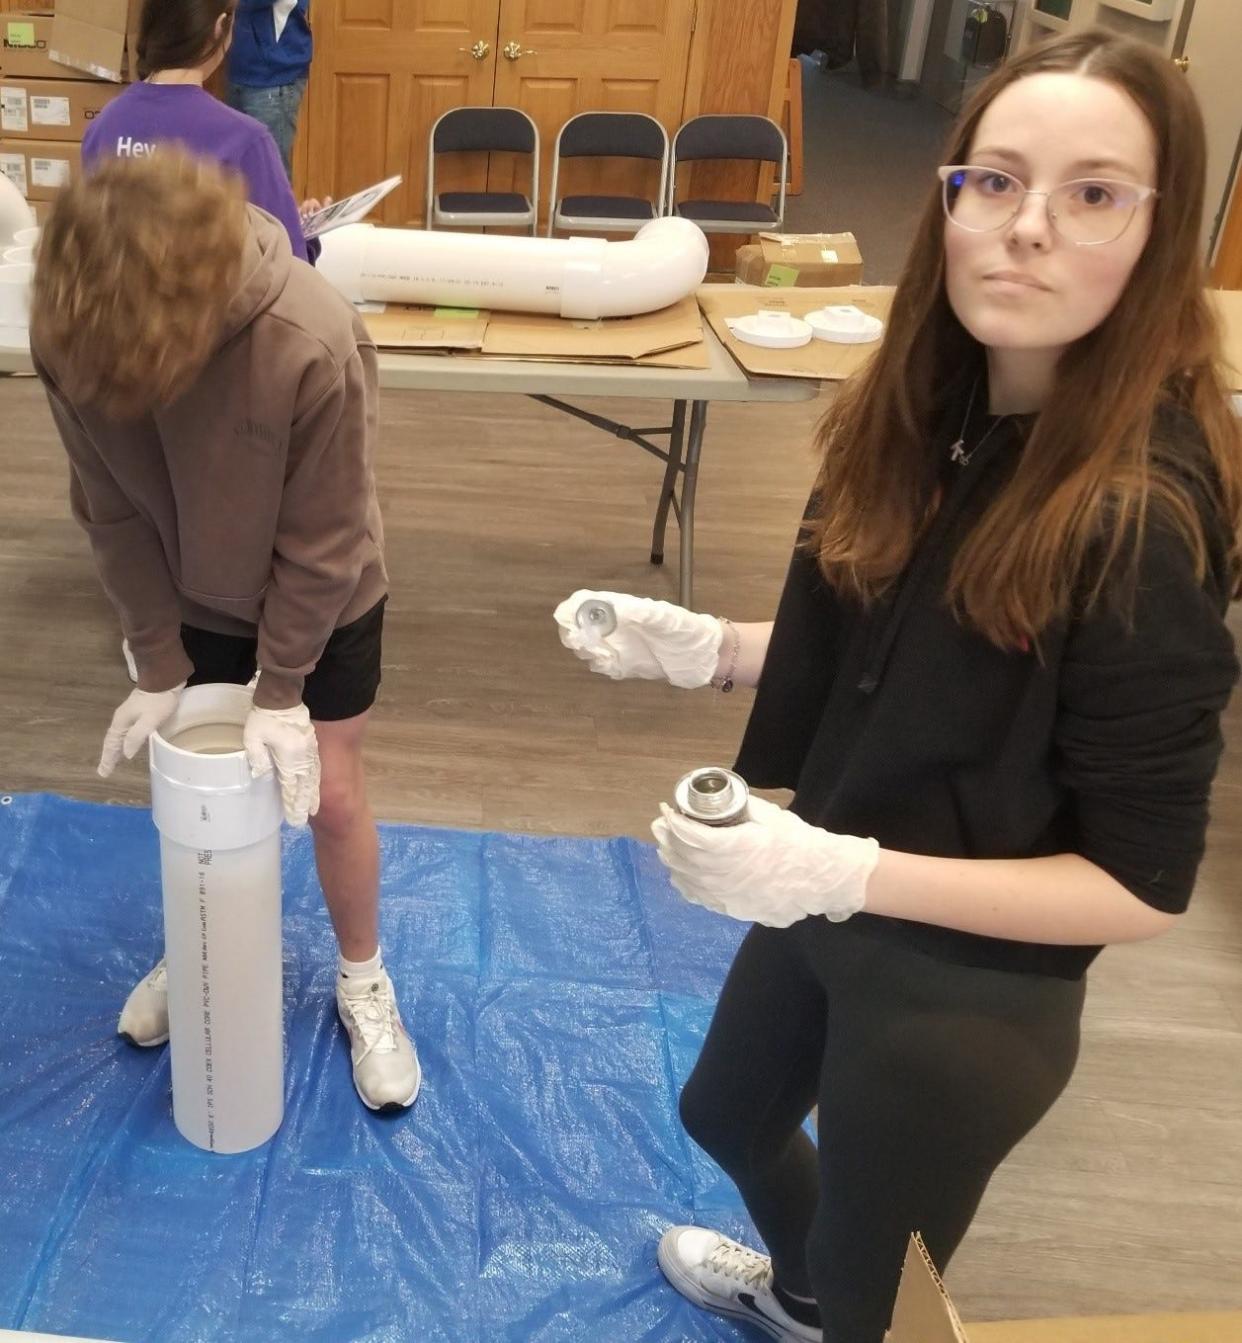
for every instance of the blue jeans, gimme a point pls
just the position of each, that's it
(276, 108)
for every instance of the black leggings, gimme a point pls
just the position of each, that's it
(926, 1075)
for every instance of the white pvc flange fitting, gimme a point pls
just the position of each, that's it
(773, 328)
(844, 324)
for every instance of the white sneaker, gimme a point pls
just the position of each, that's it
(386, 1071)
(718, 1274)
(144, 1018)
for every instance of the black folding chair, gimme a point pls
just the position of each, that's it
(719, 136)
(483, 130)
(613, 135)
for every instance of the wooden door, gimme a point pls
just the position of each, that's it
(384, 71)
(569, 56)
(1213, 39)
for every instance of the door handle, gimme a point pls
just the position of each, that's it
(480, 51)
(514, 51)
(1182, 63)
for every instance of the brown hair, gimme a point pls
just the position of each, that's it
(1091, 472)
(180, 34)
(135, 270)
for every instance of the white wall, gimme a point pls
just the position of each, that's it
(1088, 13)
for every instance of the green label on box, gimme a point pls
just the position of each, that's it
(470, 313)
(19, 35)
(781, 277)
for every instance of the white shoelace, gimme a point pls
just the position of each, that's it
(374, 1013)
(732, 1260)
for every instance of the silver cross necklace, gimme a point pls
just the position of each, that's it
(958, 452)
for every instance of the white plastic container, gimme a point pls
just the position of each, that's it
(15, 284)
(772, 328)
(220, 863)
(844, 324)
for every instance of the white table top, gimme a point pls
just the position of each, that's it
(723, 380)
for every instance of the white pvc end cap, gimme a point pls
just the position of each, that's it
(772, 328)
(845, 324)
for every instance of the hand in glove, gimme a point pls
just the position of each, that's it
(773, 869)
(653, 641)
(285, 739)
(142, 713)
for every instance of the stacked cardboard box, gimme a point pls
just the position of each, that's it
(59, 68)
(787, 260)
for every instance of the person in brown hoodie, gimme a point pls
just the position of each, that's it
(217, 401)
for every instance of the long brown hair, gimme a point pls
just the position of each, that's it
(1090, 473)
(180, 34)
(135, 270)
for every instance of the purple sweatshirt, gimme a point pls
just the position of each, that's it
(147, 113)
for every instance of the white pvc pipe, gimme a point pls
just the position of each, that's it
(220, 862)
(15, 214)
(571, 277)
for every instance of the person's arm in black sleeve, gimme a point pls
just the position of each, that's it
(1138, 731)
(1137, 741)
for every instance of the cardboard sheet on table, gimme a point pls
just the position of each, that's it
(1228, 305)
(412, 327)
(820, 359)
(669, 338)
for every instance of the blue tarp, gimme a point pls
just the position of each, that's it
(558, 991)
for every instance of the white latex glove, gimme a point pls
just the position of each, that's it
(653, 641)
(285, 739)
(773, 868)
(142, 713)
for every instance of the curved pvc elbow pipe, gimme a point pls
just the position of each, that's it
(570, 277)
(15, 214)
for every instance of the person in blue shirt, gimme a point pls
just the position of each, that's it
(268, 66)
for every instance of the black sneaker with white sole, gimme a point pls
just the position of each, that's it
(720, 1274)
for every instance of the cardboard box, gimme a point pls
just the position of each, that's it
(39, 168)
(26, 44)
(822, 360)
(924, 1313)
(51, 109)
(97, 36)
(788, 260)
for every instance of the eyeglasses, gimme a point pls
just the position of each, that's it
(1086, 212)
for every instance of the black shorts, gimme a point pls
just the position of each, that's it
(343, 683)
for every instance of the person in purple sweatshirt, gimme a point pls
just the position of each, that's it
(181, 44)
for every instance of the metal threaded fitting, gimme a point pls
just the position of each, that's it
(712, 795)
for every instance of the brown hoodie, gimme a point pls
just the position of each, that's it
(248, 505)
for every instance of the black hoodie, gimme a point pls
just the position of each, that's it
(900, 723)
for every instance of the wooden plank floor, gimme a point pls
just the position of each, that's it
(1128, 1199)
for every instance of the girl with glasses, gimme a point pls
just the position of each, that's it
(994, 683)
